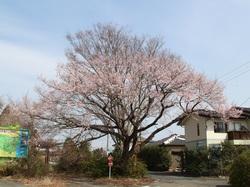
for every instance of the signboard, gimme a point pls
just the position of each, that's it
(110, 164)
(13, 141)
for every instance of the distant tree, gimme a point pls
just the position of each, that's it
(120, 84)
(69, 157)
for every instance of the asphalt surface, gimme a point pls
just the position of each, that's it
(164, 180)
(5, 183)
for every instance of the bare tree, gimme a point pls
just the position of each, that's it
(123, 85)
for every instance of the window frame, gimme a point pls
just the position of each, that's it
(220, 127)
(198, 129)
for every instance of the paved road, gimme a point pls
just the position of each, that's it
(163, 180)
(5, 183)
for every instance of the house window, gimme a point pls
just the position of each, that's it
(198, 129)
(200, 144)
(215, 146)
(238, 127)
(219, 127)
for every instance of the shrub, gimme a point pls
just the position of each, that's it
(228, 153)
(94, 164)
(8, 168)
(33, 165)
(240, 170)
(155, 157)
(196, 162)
(215, 161)
(97, 164)
(69, 159)
(136, 168)
(74, 158)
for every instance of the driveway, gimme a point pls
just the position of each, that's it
(165, 180)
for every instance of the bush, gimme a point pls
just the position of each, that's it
(215, 161)
(94, 164)
(68, 161)
(97, 164)
(74, 158)
(196, 162)
(8, 168)
(228, 153)
(33, 165)
(240, 170)
(155, 157)
(136, 168)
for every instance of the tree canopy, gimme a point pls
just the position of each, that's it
(124, 85)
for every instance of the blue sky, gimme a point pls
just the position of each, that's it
(211, 35)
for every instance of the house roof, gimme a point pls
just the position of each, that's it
(173, 139)
(245, 112)
(213, 114)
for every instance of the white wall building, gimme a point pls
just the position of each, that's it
(207, 129)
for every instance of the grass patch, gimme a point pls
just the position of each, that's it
(48, 181)
(124, 181)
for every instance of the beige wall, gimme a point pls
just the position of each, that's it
(191, 128)
(192, 138)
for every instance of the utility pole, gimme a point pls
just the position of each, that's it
(107, 144)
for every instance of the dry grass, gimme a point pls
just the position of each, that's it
(62, 180)
(124, 181)
(48, 181)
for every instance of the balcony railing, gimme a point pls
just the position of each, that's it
(239, 135)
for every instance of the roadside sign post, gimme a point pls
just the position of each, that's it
(110, 164)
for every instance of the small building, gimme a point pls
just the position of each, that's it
(206, 128)
(176, 145)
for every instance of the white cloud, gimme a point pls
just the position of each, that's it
(24, 60)
(20, 67)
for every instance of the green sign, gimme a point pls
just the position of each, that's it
(13, 141)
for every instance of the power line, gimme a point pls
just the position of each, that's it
(244, 101)
(235, 69)
(236, 76)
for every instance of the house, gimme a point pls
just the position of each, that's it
(176, 145)
(205, 129)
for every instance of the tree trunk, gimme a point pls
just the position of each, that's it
(125, 155)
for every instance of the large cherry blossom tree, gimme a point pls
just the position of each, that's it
(120, 84)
